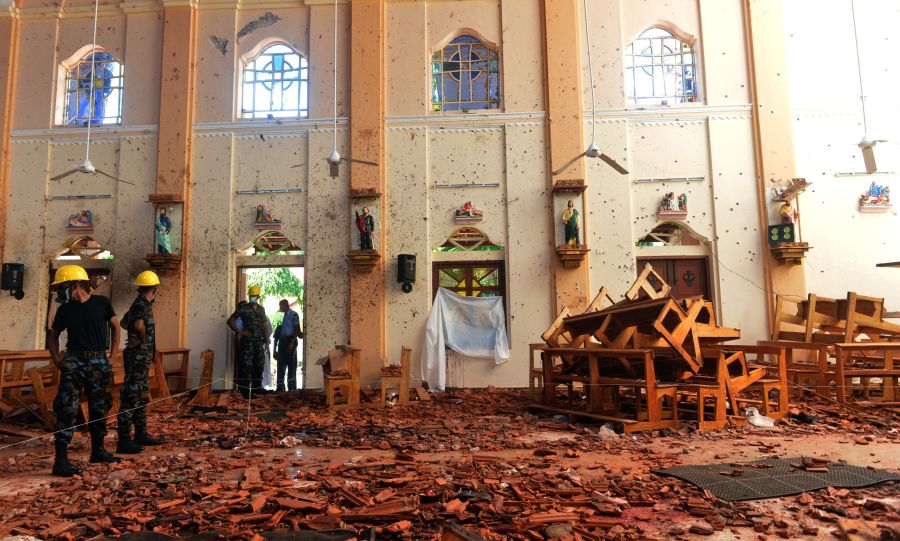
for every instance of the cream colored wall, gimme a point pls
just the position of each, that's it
(122, 223)
(846, 244)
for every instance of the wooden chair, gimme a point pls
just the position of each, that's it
(390, 377)
(341, 371)
(806, 365)
(179, 370)
(789, 322)
(765, 373)
(643, 288)
(868, 361)
(44, 380)
(865, 316)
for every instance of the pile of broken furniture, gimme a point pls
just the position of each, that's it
(651, 362)
(842, 349)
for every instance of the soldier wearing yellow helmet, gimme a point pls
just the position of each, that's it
(140, 350)
(253, 337)
(84, 365)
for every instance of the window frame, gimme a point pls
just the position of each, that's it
(487, 44)
(468, 266)
(303, 83)
(672, 100)
(67, 67)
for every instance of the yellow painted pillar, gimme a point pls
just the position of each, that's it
(173, 165)
(772, 129)
(367, 288)
(565, 135)
(9, 46)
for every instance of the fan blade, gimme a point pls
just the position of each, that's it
(99, 172)
(568, 163)
(364, 162)
(612, 163)
(64, 175)
(298, 165)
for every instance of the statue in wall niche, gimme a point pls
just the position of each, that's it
(570, 220)
(670, 203)
(788, 213)
(468, 210)
(366, 225)
(163, 228)
(81, 220)
(877, 196)
(264, 216)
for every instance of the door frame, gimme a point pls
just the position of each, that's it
(240, 294)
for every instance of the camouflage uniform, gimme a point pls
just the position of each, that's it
(95, 377)
(251, 354)
(135, 391)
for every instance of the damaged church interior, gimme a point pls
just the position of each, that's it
(449, 270)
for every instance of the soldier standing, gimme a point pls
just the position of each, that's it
(252, 338)
(140, 349)
(85, 365)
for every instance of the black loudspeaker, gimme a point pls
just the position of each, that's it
(406, 271)
(13, 279)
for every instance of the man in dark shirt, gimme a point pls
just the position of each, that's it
(84, 365)
(140, 350)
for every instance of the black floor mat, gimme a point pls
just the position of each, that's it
(775, 479)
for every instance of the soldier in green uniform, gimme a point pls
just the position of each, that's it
(252, 339)
(140, 350)
(85, 365)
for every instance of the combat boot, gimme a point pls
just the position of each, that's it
(61, 465)
(127, 446)
(99, 454)
(142, 438)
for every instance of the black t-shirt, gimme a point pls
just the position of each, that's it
(86, 322)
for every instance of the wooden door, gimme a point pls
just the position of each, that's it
(688, 276)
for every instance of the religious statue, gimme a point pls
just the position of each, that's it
(670, 204)
(788, 213)
(264, 216)
(876, 196)
(570, 220)
(468, 211)
(163, 228)
(80, 220)
(366, 226)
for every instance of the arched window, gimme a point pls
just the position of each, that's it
(660, 69)
(465, 75)
(105, 106)
(275, 84)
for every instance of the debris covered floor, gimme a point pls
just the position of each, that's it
(475, 459)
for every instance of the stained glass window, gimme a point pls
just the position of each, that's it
(275, 84)
(105, 106)
(660, 69)
(465, 75)
(476, 279)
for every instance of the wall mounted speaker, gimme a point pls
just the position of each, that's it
(12, 278)
(406, 271)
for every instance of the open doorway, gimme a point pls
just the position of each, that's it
(277, 283)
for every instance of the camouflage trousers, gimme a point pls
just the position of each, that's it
(134, 394)
(251, 361)
(94, 376)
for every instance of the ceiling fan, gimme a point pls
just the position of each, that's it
(867, 143)
(593, 150)
(85, 166)
(334, 159)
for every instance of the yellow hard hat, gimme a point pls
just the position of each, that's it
(70, 273)
(253, 291)
(147, 279)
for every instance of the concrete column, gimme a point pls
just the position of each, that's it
(9, 41)
(173, 165)
(772, 128)
(367, 289)
(562, 19)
